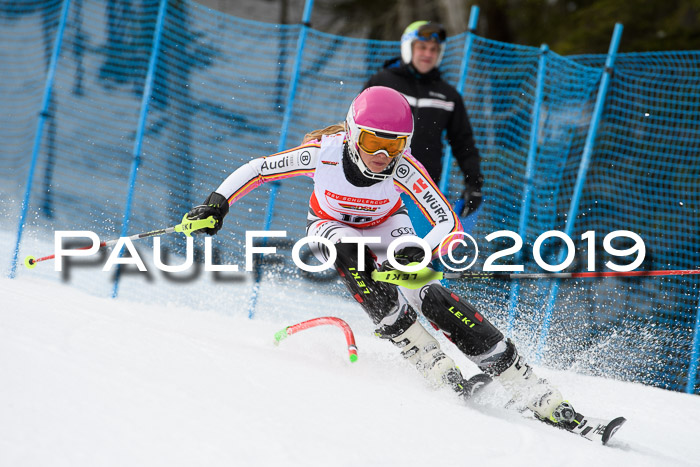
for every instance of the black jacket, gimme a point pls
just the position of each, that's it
(437, 106)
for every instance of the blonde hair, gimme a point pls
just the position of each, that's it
(329, 130)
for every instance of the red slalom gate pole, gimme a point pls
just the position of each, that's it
(568, 275)
(416, 280)
(349, 336)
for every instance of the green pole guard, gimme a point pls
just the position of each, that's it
(281, 335)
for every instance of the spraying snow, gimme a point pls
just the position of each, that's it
(97, 381)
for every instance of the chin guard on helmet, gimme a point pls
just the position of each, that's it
(379, 113)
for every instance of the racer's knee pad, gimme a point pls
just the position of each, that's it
(378, 299)
(471, 332)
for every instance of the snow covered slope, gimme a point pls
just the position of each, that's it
(88, 381)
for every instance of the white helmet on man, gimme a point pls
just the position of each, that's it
(422, 31)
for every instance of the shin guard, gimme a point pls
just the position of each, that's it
(462, 323)
(378, 299)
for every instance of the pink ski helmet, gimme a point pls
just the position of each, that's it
(380, 121)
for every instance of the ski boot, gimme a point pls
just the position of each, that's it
(420, 348)
(527, 390)
(537, 394)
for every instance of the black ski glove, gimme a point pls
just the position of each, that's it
(471, 198)
(405, 256)
(215, 205)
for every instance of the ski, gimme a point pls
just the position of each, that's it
(593, 429)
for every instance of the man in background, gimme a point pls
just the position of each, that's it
(436, 106)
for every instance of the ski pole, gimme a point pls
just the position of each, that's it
(186, 226)
(416, 280)
(349, 336)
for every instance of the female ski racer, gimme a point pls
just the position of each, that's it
(359, 172)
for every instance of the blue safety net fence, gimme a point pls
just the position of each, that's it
(129, 113)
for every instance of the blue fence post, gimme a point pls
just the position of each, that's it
(529, 169)
(694, 355)
(43, 113)
(468, 42)
(581, 178)
(289, 106)
(145, 101)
